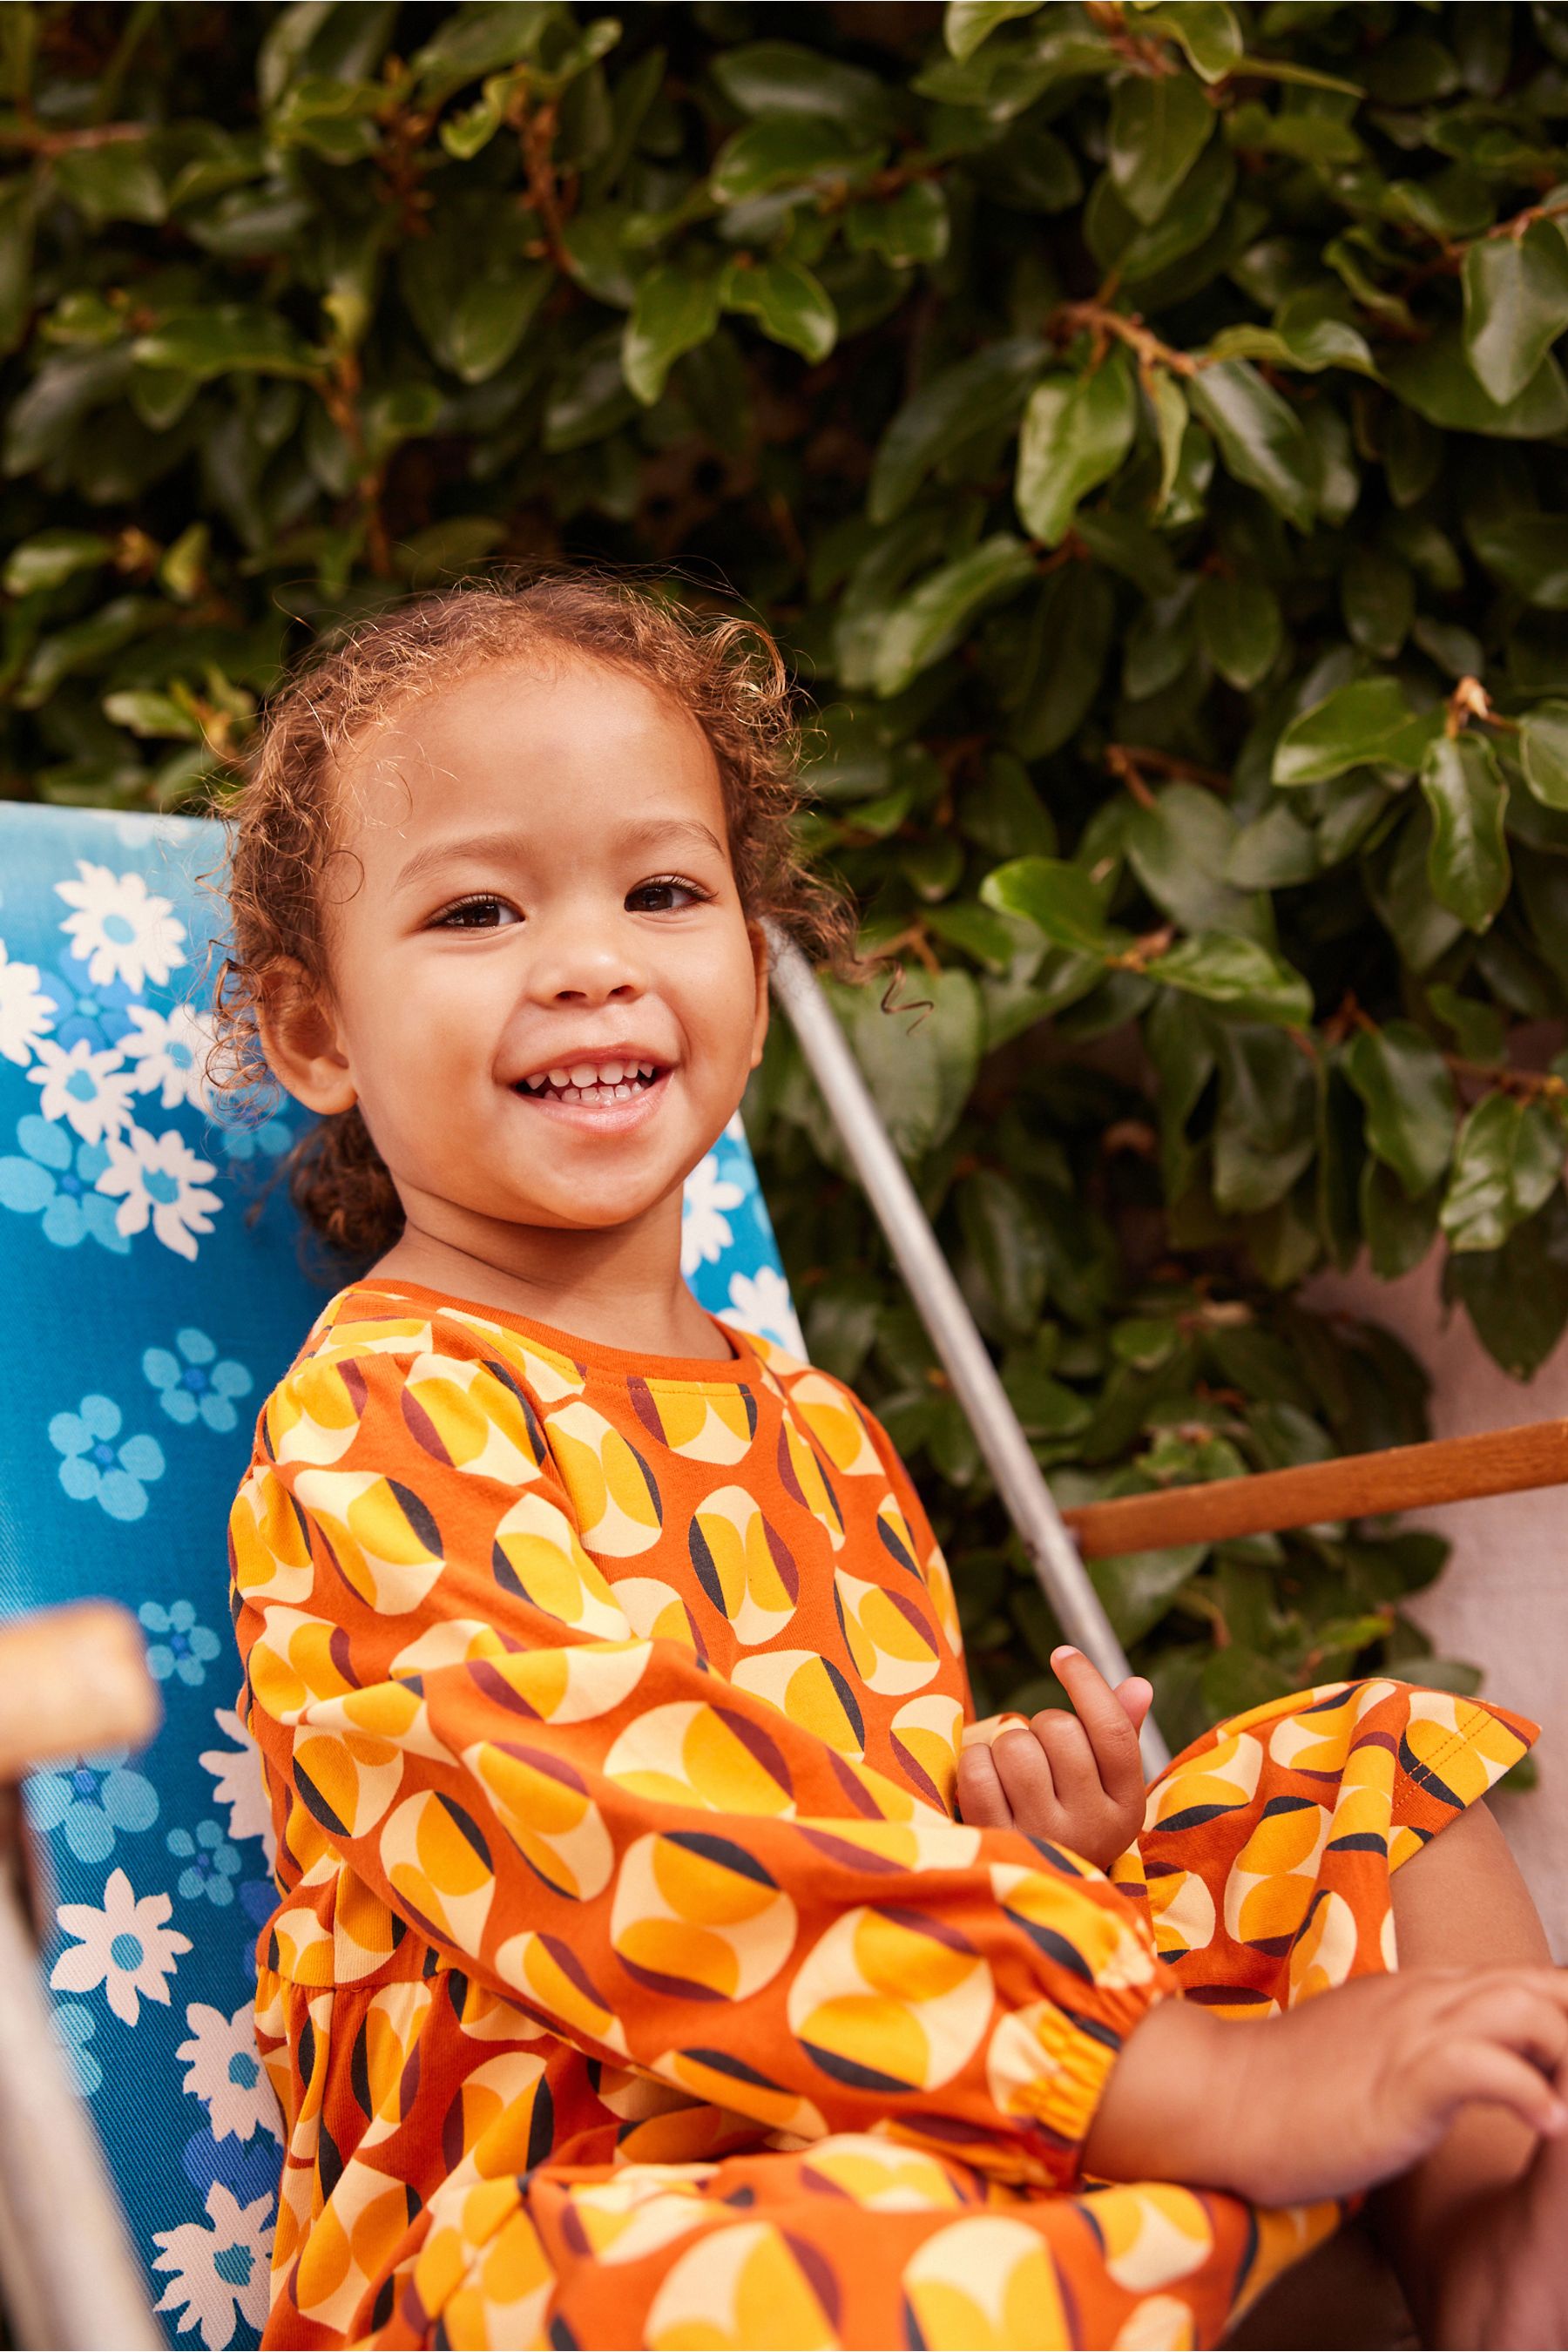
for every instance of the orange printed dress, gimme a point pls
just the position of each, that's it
(632, 1982)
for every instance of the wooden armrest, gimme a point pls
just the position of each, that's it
(72, 1680)
(1354, 1487)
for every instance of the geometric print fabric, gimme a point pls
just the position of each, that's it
(632, 1981)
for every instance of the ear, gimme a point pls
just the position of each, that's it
(300, 1038)
(760, 966)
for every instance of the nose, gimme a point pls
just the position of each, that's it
(585, 964)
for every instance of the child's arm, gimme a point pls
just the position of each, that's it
(669, 1871)
(1350, 2089)
(1076, 1779)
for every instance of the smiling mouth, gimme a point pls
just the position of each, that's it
(591, 1085)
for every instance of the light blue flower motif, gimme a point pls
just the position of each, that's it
(250, 1126)
(81, 1010)
(97, 1471)
(184, 1648)
(73, 2027)
(199, 1384)
(94, 1803)
(212, 1864)
(57, 1175)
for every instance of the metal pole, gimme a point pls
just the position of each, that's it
(69, 2275)
(1019, 1481)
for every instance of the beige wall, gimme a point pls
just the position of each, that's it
(1503, 1600)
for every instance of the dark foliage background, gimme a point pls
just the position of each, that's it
(1141, 425)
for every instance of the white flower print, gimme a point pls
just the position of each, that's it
(240, 1785)
(121, 929)
(125, 1946)
(224, 2073)
(219, 2269)
(761, 1302)
(704, 1230)
(162, 1181)
(26, 1013)
(91, 1091)
(168, 1055)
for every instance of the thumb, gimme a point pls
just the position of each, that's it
(1137, 1697)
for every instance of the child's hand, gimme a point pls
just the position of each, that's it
(1076, 1779)
(1347, 2090)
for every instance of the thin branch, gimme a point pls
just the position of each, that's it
(1096, 317)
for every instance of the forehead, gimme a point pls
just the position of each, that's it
(539, 740)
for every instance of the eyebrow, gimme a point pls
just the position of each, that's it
(644, 832)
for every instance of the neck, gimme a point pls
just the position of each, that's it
(618, 1286)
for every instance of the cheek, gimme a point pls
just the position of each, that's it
(720, 999)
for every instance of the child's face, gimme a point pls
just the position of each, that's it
(542, 886)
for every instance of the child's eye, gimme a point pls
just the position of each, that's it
(666, 895)
(481, 913)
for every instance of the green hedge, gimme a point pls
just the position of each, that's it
(1141, 425)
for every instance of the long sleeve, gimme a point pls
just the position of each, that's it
(661, 1867)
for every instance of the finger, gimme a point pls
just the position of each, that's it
(1075, 1773)
(1464, 2070)
(1111, 1737)
(1137, 1697)
(1455, 1989)
(1025, 1772)
(981, 1800)
(1523, 2018)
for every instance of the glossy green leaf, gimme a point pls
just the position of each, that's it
(1240, 625)
(1408, 1098)
(1543, 752)
(1260, 437)
(116, 182)
(1061, 900)
(1529, 553)
(477, 38)
(1179, 849)
(52, 558)
(1076, 431)
(789, 78)
(788, 304)
(230, 339)
(966, 22)
(780, 150)
(1001, 1227)
(1468, 865)
(1208, 30)
(930, 621)
(1367, 724)
(1266, 1130)
(1399, 1231)
(988, 389)
(489, 319)
(674, 311)
(1438, 381)
(1159, 125)
(1240, 974)
(1517, 1296)
(913, 225)
(1516, 305)
(1508, 1160)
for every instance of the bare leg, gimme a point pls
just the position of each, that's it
(1471, 2232)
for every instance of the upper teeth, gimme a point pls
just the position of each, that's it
(592, 1074)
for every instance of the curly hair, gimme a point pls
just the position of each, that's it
(728, 674)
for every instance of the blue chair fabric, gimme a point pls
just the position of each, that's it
(151, 1308)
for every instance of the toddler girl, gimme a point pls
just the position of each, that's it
(652, 1966)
